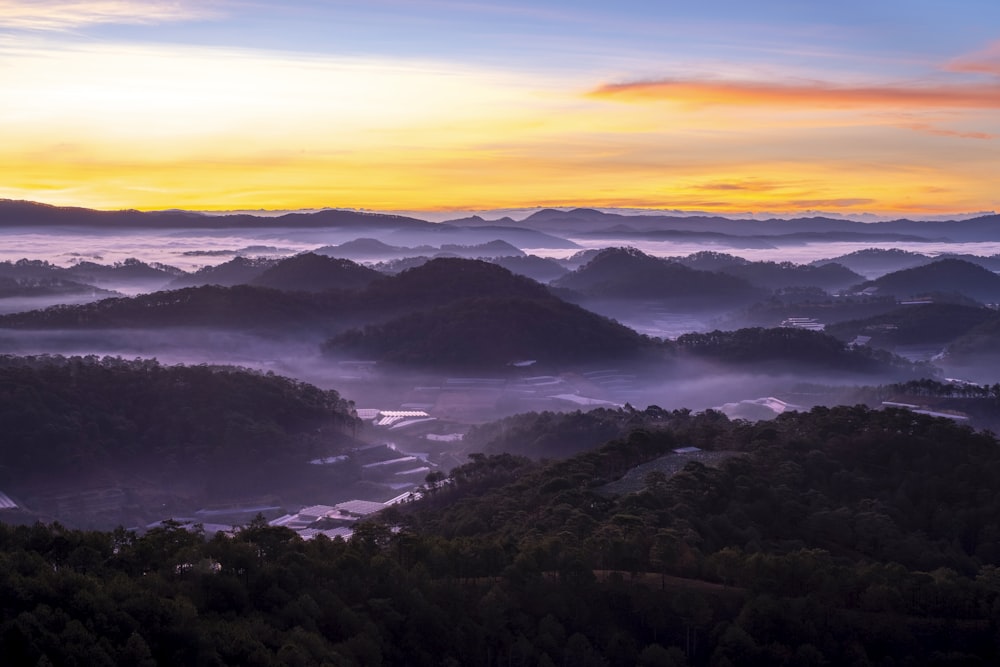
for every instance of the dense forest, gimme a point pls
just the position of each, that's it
(71, 415)
(490, 332)
(784, 348)
(841, 536)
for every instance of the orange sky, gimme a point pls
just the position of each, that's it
(100, 109)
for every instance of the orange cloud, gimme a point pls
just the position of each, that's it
(930, 129)
(813, 95)
(986, 61)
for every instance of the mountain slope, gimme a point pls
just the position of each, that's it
(310, 272)
(626, 273)
(490, 332)
(943, 276)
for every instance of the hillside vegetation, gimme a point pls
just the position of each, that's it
(835, 537)
(72, 415)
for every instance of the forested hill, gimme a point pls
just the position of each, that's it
(238, 307)
(491, 332)
(627, 273)
(940, 277)
(73, 415)
(836, 537)
(782, 349)
(436, 283)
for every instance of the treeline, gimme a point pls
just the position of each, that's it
(841, 536)
(61, 414)
(787, 347)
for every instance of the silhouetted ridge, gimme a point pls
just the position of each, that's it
(942, 276)
(446, 279)
(78, 414)
(489, 332)
(780, 349)
(915, 324)
(237, 271)
(627, 273)
(310, 272)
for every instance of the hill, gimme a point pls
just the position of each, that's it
(262, 309)
(980, 345)
(626, 273)
(237, 271)
(491, 332)
(445, 279)
(83, 415)
(773, 275)
(784, 349)
(238, 307)
(942, 276)
(129, 272)
(48, 287)
(875, 262)
(32, 214)
(310, 272)
(834, 537)
(915, 325)
(542, 269)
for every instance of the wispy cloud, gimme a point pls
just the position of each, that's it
(811, 95)
(941, 132)
(845, 202)
(739, 186)
(72, 14)
(986, 61)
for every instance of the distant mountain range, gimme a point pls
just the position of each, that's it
(584, 220)
(522, 233)
(943, 277)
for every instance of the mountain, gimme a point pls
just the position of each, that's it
(49, 287)
(626, 273)
(445, 279)
(875, 262)
(373, 249)
(919, 324)
(237, 271)
(980, 347)
(310, 272)
(839, 536)
(32, 214)
(542, 269)
(786, 349)
(940, 277)
(132, 272)
(240, 307)
(584, 221)
(33, 269)
(370, 249)
(774, 275)
(491, 332)
(259, 309)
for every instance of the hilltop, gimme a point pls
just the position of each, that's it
(492, 332)
(629, 274)
(943, 276)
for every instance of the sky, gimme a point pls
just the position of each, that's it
(889, 107)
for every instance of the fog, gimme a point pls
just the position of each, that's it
(451, 401)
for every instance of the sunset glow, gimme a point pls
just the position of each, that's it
(430, 106)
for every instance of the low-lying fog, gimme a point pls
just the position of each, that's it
(193, 249)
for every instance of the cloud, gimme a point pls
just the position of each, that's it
(930, 129)
(811, 95)
(71, 14)
(986, 61)
(740, 186)
(831, 203)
